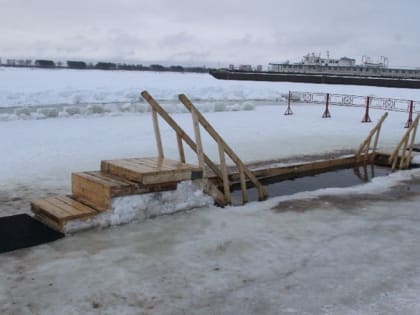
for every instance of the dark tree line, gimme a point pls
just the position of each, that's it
(74, 64)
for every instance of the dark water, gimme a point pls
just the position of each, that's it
(337, 178)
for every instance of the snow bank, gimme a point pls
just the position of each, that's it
(111, 109)
(141, 207)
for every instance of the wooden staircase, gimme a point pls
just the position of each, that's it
(92, 192)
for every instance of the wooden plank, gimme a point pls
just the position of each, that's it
(45, 208)
(179, 165)
(119, 170)
(91, 190)
(151, 165)
(154, 165)
(73, 207)
(58, 226)
(75, 204)
(150, 179)
(70, 209)
(149, 171)
(295, 169)
(59, 211)
(106, 180)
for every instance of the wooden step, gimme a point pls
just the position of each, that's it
(150, 171)
(97, 189)
(56, 211)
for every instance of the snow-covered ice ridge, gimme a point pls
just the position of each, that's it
(110, 109)
(50, 93)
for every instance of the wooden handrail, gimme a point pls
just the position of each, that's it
(180, 133)
(198, 118)
(365, 146)
(405, 156)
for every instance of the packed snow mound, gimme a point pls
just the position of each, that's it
(188, 195)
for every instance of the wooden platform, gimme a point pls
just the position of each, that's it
(92, 192)
(151, 171)
(97, 188)
(58, 210)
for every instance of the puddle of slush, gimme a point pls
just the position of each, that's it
(337, 178)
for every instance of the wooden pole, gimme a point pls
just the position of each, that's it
(244, 189)
(200, 152)
(180, 148)
(226, 185)
(157, 134)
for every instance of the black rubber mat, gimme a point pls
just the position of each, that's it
(21, 231)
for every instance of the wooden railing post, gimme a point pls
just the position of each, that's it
(180, 148)
(223, 167)
(200, 152)
(244, 188)
(157, 134)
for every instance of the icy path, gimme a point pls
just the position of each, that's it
(330, 257)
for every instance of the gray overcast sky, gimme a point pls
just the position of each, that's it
(210, 32)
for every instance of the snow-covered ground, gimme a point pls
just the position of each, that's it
(334, 251)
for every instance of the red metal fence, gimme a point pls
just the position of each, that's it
(368, 102)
